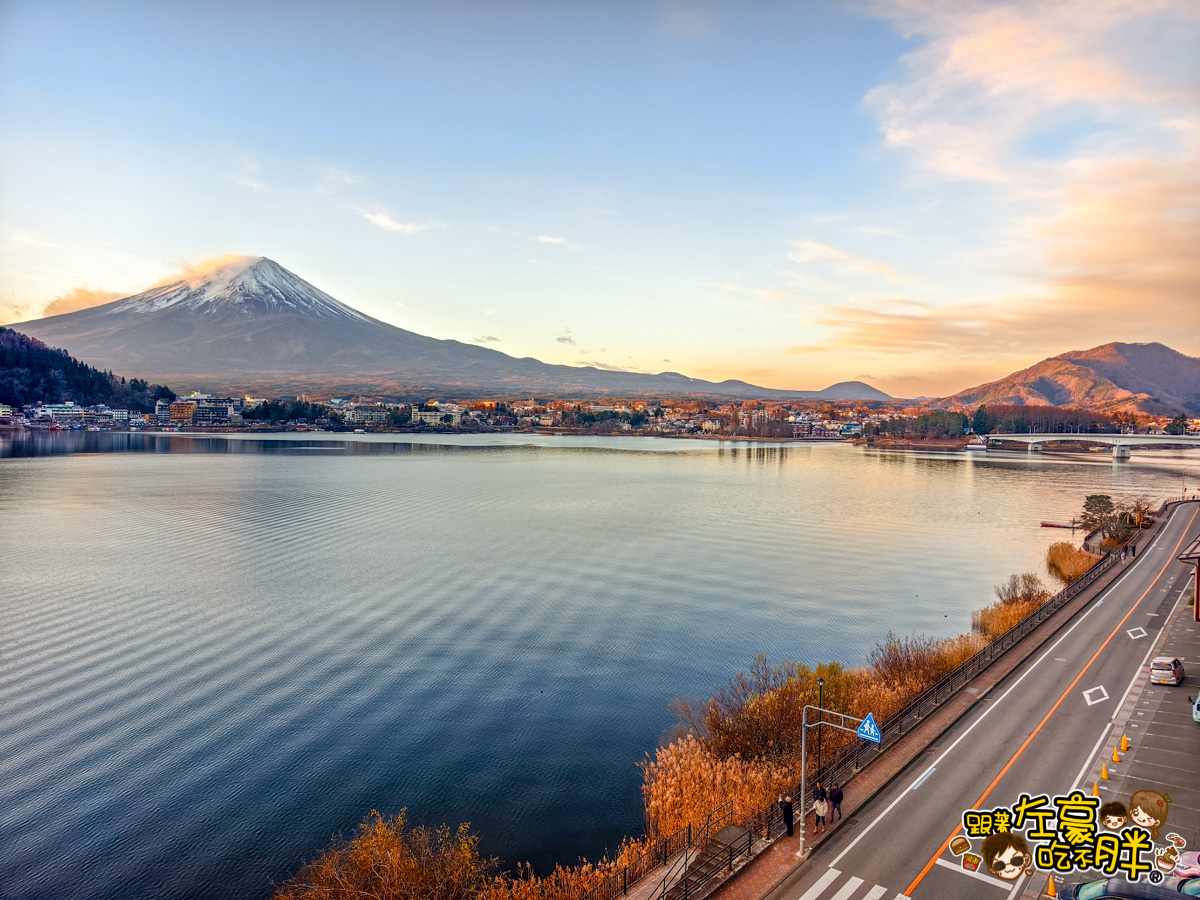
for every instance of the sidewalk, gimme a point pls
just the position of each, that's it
(766, 874)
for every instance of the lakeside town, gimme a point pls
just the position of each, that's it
(822, 421)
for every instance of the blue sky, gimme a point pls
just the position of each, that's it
(791, 193)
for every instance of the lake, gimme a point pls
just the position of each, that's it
(218, 652)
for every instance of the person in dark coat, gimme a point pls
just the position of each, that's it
(789, 821)
(819, 792)
(835, 801)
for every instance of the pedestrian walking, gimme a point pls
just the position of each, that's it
(789, 820)
(819, 792)
(820, 811)
(835, 802)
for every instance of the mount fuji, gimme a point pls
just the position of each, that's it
(253, 325)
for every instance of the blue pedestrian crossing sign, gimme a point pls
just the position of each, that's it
(869, 731)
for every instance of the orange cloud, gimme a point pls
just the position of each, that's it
(82, 297)
(213, 268)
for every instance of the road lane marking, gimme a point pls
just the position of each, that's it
(875, 893)
(848, 888)
(988, 878)
(1029, 740)
(1087, 765)
(985, 714)
(1132, 681)
(1016, 886)
(819, 888)
(931, 770)
(1136, 633)
(1101, 695)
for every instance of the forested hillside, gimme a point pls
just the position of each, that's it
(31, 372)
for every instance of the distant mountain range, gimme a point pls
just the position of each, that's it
(256, 326)
(1116, 377)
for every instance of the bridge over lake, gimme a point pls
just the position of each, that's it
(1121, 443)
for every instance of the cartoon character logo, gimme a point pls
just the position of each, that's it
(1113, 815)
(1149, 809)
(1005, 854)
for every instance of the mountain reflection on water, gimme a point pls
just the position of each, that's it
(218, 651)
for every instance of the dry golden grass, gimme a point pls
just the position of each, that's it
(996, 619)
(1068, 561)
(388, 861)
(686, 780)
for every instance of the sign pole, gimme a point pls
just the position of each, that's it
(867, 729)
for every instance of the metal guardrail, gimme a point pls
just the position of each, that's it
(842, 767)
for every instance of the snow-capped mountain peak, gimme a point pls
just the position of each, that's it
(248, 284)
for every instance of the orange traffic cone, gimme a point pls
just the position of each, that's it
(1104, 772)
(1116, 758)
(1095, 789)
(1124, 742)
(1050, 891)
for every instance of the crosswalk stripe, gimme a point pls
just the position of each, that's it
(875, 893)
(848, 888)
(902, 897)
(818, 889)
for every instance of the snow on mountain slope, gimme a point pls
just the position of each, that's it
(250, 285)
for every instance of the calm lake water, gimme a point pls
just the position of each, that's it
(216, 653)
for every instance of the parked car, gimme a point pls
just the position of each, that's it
(1120, 889)
(1188, 865)
(1166, 670)
(1195, 701)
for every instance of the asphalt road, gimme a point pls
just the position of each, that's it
(1040, 731)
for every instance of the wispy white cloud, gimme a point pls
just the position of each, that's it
(27, 240)
(565, 337)
(485, 339)
(342, 177)
(557, 241)
(253, 184)
(812, 251)
(382, 220)
(772, 295)
(608, 367)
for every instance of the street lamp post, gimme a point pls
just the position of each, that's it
(820, 703)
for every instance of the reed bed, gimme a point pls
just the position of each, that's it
(1068, 562)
